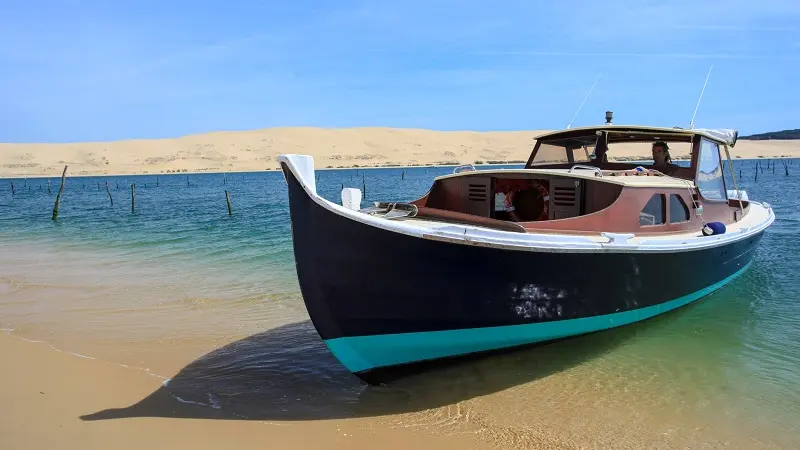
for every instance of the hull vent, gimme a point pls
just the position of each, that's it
(564, 196)
(478, 199)
(478, 193)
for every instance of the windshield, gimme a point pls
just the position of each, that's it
(550, 153)
(639, 153)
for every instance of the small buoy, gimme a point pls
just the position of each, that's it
(713, 228)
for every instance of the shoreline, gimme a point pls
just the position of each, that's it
(35, 176)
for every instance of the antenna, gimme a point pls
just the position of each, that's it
(584, 101)
(691, 123)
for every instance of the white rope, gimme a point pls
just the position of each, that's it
(694, 203)
(691, 123)
(584, 101)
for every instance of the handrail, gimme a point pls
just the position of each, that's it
(463, 166)
(596, 170)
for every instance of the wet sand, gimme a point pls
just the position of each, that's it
(51, 399)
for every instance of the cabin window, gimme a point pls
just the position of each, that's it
(654, 211)
(710, 180)
(550, 154)
(678, 211)
(580, 155)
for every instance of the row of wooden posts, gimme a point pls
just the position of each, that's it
(110, 197)
(786, 165)
(759, 167)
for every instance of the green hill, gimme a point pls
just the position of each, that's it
(779, 135)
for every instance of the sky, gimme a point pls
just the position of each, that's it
(95, 70)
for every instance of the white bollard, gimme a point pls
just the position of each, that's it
(351, 198)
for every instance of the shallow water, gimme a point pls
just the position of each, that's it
(212, 301)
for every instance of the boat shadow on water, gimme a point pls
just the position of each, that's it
(287, 373)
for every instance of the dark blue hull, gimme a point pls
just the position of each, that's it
(382, 299)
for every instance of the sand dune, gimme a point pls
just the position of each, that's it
(257, 150)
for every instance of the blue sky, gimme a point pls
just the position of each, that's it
(86, 70)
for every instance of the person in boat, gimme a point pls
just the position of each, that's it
(661, 156)
(662, 162)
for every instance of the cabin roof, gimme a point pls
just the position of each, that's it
(636, 133)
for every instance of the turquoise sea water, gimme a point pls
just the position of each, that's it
(725, 370)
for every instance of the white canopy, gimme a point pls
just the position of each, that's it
(725, 135)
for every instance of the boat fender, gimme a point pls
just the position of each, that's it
(544, 192)
(713, 228)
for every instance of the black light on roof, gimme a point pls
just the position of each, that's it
(609, 116)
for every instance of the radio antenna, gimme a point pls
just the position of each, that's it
(584, 101)
(691, 123)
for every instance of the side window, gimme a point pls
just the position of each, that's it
(550, 154)
(709, 176)
(580, 155)
(678, 211)
(654, 211)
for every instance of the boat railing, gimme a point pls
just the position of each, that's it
(459, 169)
(597, 170)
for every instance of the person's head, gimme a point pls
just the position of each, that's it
(661, 153)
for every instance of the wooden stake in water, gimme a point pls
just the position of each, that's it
(757, 166)
(60, 190)
(786, 167)
(13, 191)
(228, 200)
(364, 185)
(156, 181)
(187, 181)
(109, 194)
(403, 176)
(133, 197)
(48, 187)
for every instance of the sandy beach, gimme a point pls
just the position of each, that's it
(72, 398)
(257, 150)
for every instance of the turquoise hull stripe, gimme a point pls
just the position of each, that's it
(361, 353)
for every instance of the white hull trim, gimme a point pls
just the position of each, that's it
(302, 166)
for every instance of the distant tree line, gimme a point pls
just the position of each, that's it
(784, 135)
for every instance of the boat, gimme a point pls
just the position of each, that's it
(574, 242)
